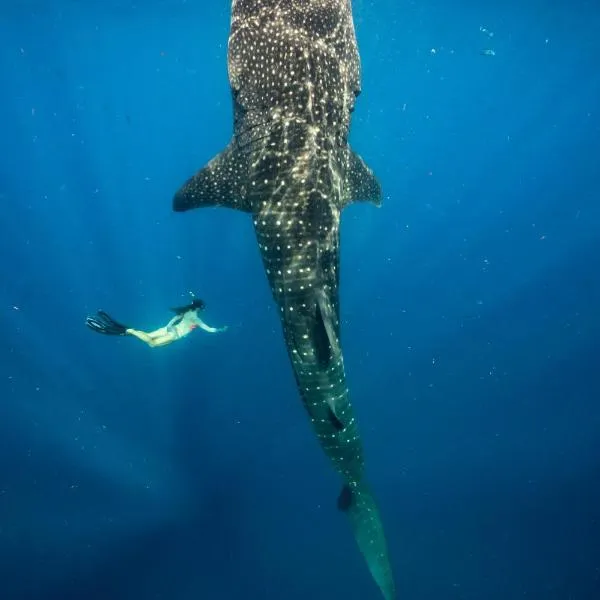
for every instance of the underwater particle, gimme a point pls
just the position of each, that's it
(487, 32)
(487, 52)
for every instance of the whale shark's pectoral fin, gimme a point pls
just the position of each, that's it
(220, 183)
(360, 182)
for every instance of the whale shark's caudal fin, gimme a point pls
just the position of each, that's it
(358, 503)
(222, 182)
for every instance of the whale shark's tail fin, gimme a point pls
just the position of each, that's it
(358, 503)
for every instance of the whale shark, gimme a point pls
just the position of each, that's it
(294, 73)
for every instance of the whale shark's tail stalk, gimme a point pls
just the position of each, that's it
(358, 503)
(313, 341)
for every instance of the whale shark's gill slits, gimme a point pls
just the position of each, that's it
(251, 136)
(250, 145)
(252, 130)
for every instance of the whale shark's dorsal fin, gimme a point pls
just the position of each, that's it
(360, 184)
(220, 183)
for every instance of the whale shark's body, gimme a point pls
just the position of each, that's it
(294, 71)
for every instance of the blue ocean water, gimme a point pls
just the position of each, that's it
(469, 302)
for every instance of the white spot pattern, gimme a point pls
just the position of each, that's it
(294, 70)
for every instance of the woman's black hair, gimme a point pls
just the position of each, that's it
(196, 304)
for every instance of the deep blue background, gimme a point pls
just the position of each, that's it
(470, 305)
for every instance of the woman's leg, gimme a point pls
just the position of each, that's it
(160, 337)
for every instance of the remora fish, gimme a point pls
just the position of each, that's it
(294, 72)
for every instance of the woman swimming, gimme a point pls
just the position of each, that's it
(186, 319)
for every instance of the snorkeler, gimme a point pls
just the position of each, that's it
(186, 319)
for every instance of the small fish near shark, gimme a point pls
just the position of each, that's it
(294, 72)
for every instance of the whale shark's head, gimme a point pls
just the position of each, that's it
(294, 71)
(295, 61)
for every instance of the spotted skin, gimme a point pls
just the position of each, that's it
(294, 72)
